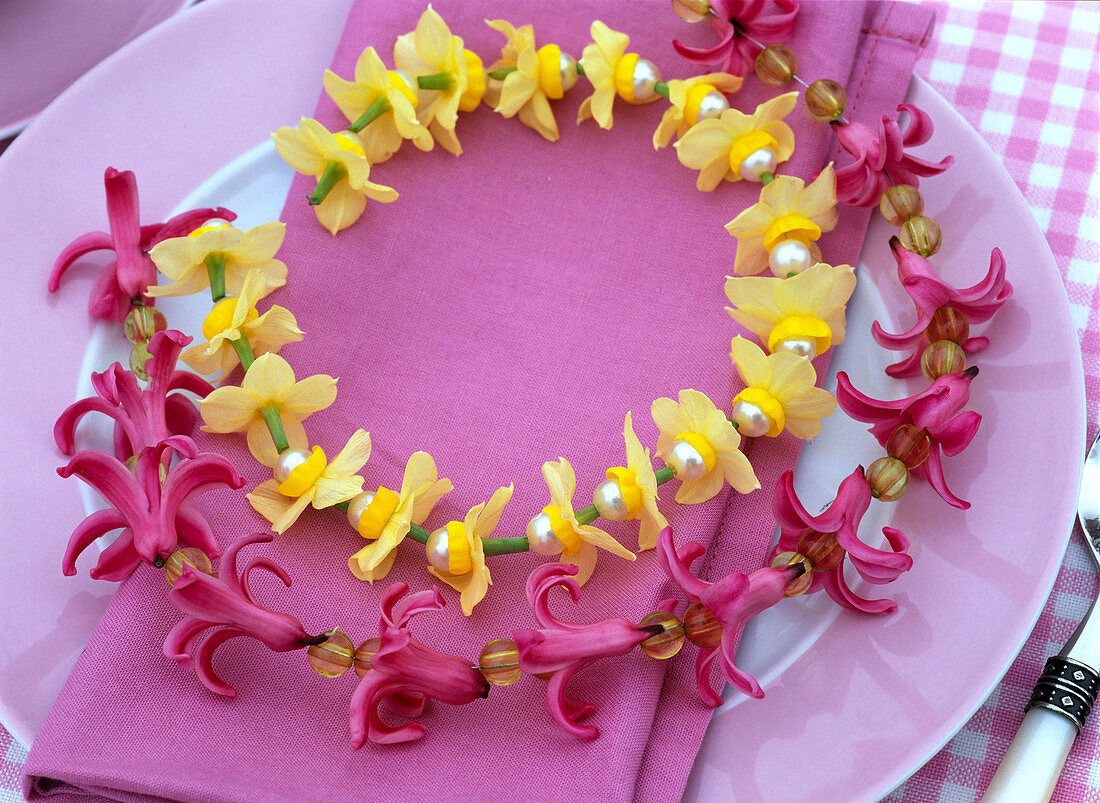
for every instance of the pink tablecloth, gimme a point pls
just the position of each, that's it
(1025, 76)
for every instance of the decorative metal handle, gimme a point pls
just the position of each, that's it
(1066, 687)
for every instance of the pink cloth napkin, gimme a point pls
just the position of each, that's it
(508, 309)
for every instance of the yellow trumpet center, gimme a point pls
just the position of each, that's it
(563, 530)
(458, 549)
(694, 99)
(795, 227)
(702, 446)
(351, 144)
(801, 327)
(475, 82)
(768, 404)
(303, 476)
(549, 57)
(627, 481)
(624, 76)
(376, 515)
(201, 230)
(220, 317)
(747, 144)
(402, 86)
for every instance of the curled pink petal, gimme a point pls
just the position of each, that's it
(703, 662)
(85, 534)
(676, 563)
(84, 244)
(566, 714)
(539, 583)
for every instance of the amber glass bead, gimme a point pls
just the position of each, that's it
(332, 657)
(142, 323)
(363, 653)
(499, 662)
(195, 558)
(888, 478)
(909, 445)
(948, 324)
(691, 10)
(668, 642)
(822, 550)
(825, 100)
(138, 355)
(700, 626)
(801, 584)
(921, 235)
(901, 202)
(942, 357)
(776, 65)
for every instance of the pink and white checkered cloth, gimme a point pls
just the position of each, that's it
(1024, 75)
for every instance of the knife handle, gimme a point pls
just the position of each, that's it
(1059, 705)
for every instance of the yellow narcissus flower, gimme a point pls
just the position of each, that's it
(536, 78)
(803, 314)
(456, 551)
(788, 219)
(187, 261)
(701, 447)
(268, 389)
(612, 71)
(386, 516)
(557, 530)
(341, 167)
(433, 53)
(391, 100)
(234, 318)
(779, 393)
(692, 100)
(737, 146)
(303, 478)
(630, 491)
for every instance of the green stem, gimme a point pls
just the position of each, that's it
(766, 178)
(334, 171)
(502, 73)
(244, 351)
(342, 506)
(661, 88)
(505, 546)
(664, 475)
(443, 81)
(377, 108)
(270, 415)
(215, 271)
(418, 533)
(587, 515)
(580, 69)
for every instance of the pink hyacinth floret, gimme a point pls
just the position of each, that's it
(841, 519)
(733, 600)
(404, 673)
(929, 292)
(154, 516)
(142, 417)
(225, 606)
(561, 649)
(125, 279)
(881, 158)
(938, 410)
(736, 22)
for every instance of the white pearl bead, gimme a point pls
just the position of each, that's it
(712, 105)
(438, 549)
(751, 420)
(288, 461)
(609, 502)
(803, 348)
(685, 461)
(789, 256)
(645, 78)
(541, 538)
(758, 163)
(356, 507)
(216, 221)
(568, 72)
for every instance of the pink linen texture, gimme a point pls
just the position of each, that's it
(511, 307)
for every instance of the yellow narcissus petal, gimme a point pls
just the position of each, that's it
(431, 49)
(263, 448)
(598, 61)
(489, 517)
(341, 207)
(585, 561)
(182, 259)
(351, 458)
(562, 482)
(280, 510)
(230, 409)
(359, 562)
(676, 119)
(637, 461)
(790, 381)
(298, 150)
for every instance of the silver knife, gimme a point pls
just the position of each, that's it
(1067, 689)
